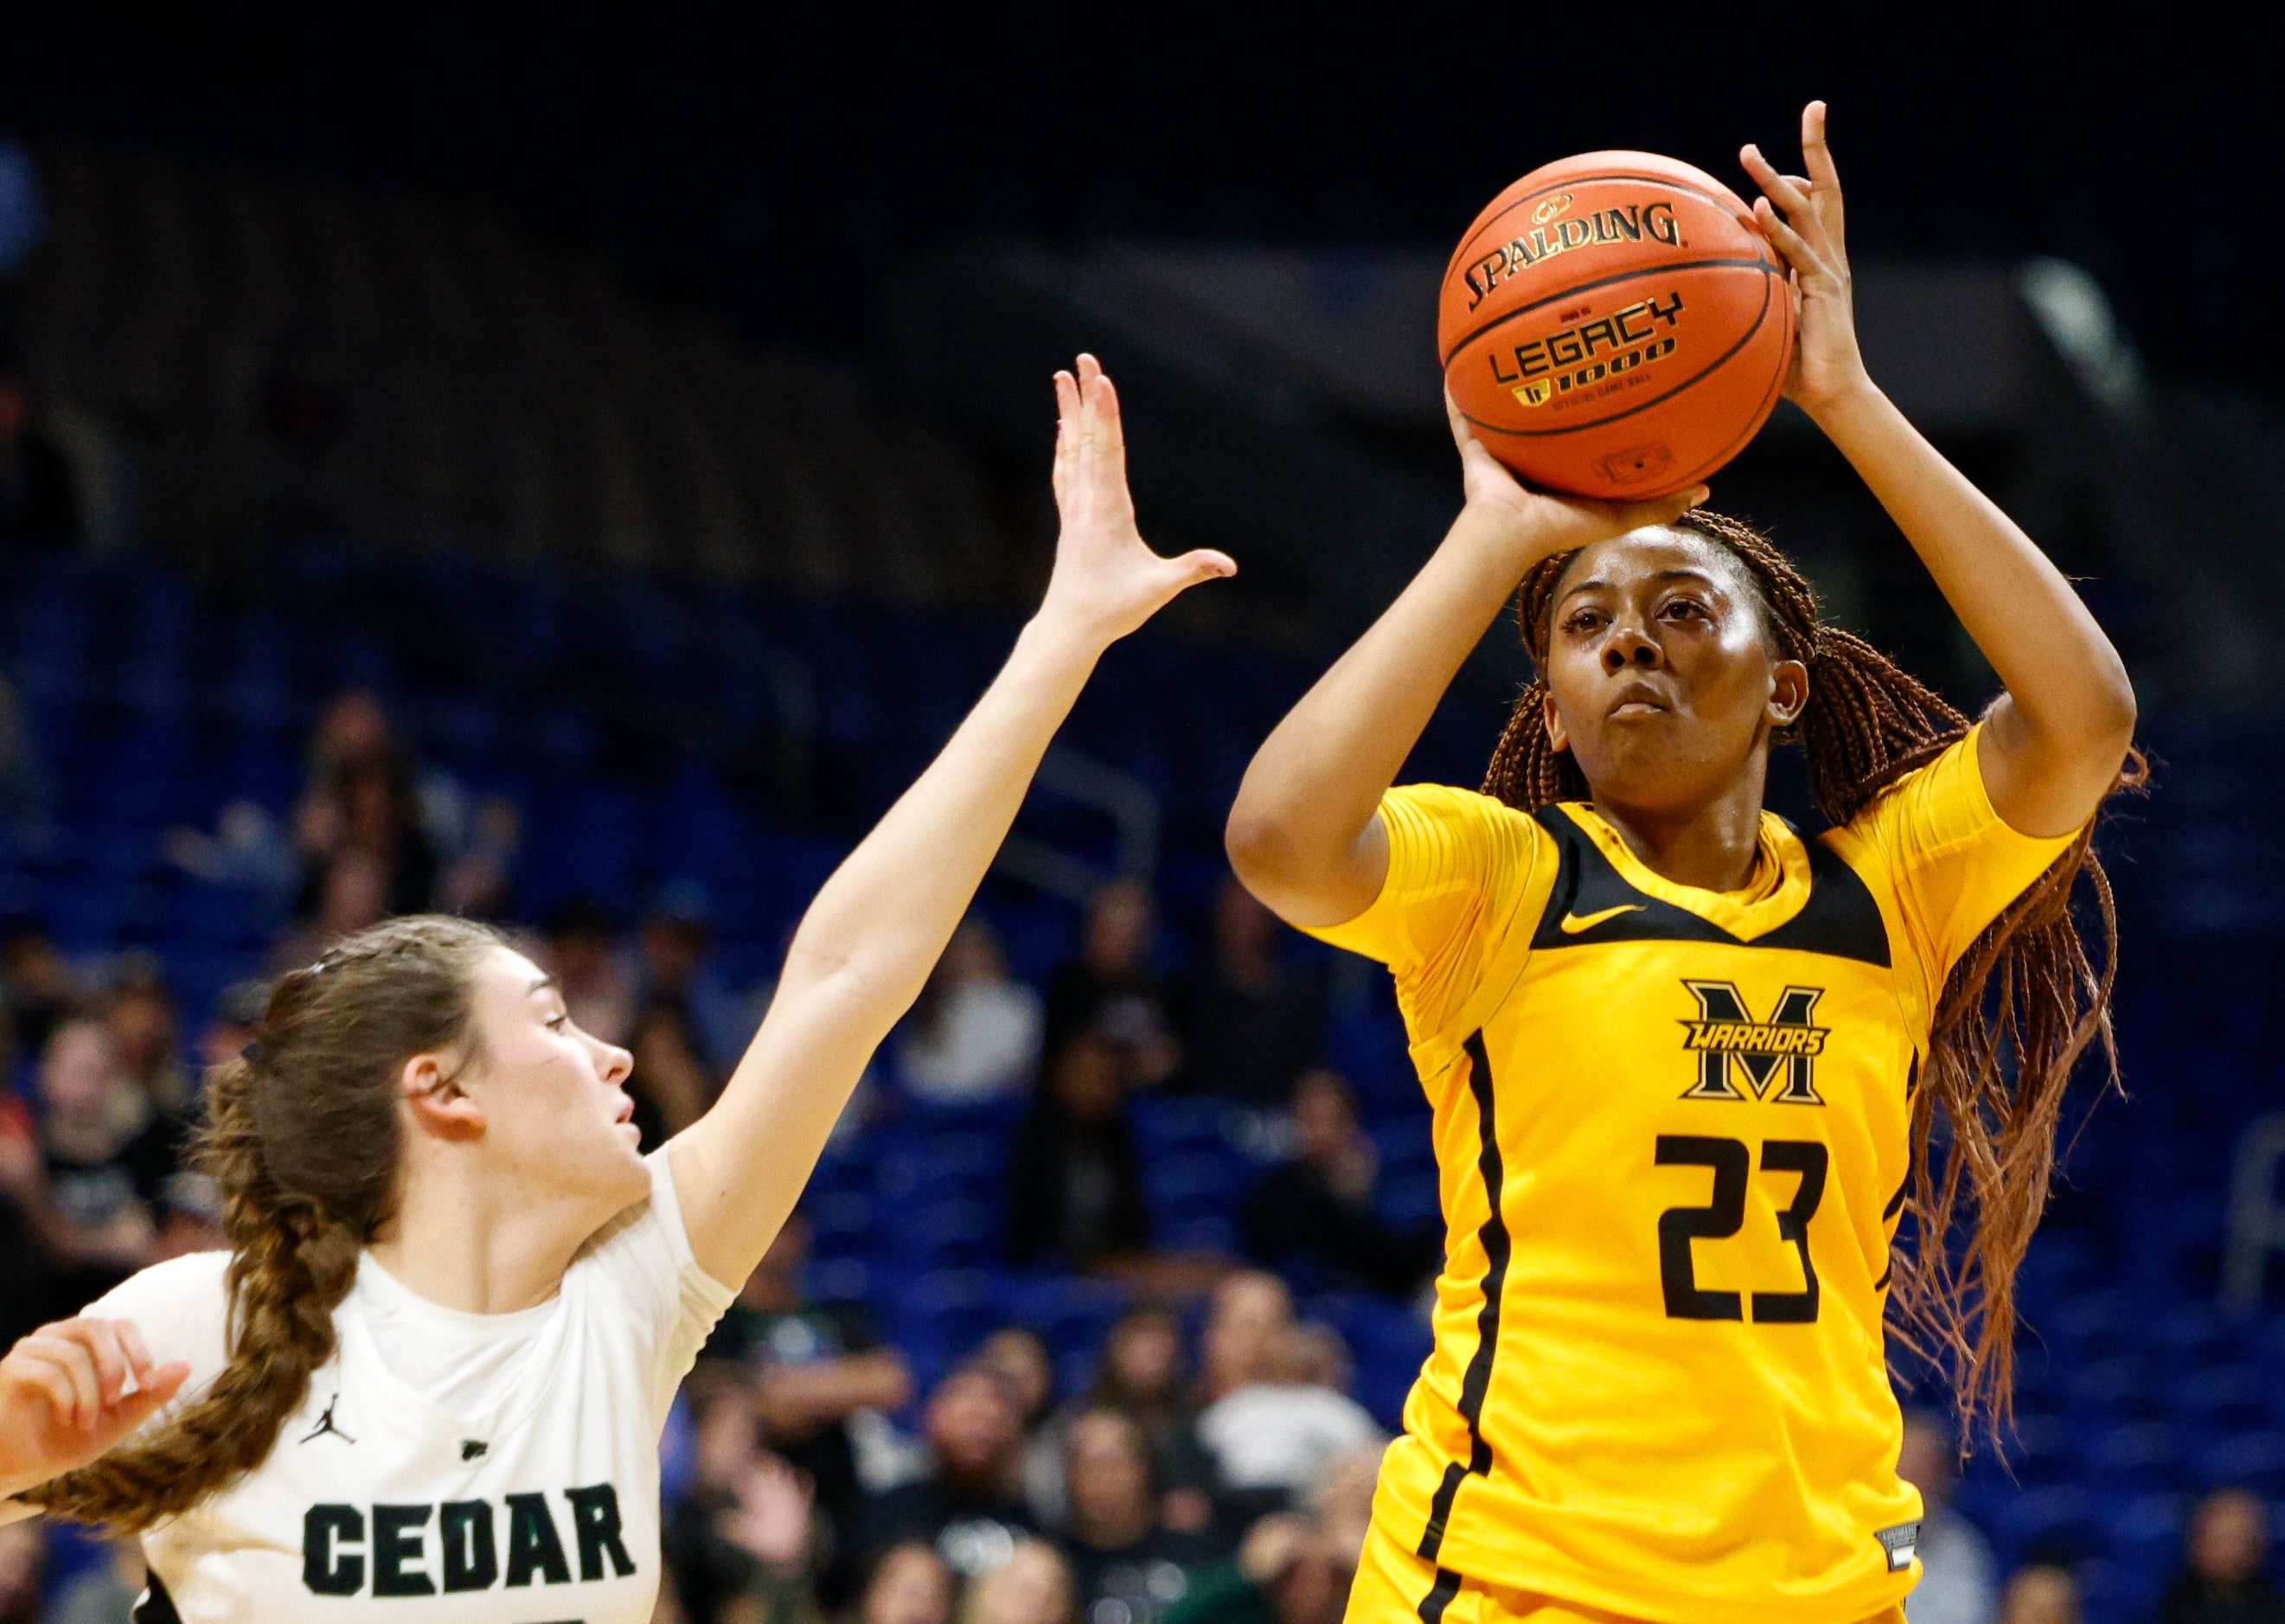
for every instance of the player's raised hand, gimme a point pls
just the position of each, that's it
(1107, 581)
(1548, 522)
(64, 1398)
(1803, 216)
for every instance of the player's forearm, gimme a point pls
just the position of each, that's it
(2064, 676)
(1302, 834)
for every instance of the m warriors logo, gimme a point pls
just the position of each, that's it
(1740, 1057)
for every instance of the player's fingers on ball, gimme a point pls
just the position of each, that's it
(1764, 173)
(1461, 430)
(1789, 242)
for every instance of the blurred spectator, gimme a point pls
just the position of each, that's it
(671, 1087)
(351, 893)
(1288, 1571)
(41, 991)
(361, 799)
(974, 1035)
(1340, 1500)
(1112, 990)
(598, 985)
(1957, 1577)
(2223, 1582)
(1250, 1023)
(1319, 1204)
(1076, 1178)
(1121, 1551)
(1278, 1433)
(1139, 1374)
(23, 1555)
(739, 1542)
(139, 1009)
(673, 974)
(1031, 1585)
(2040, 1594)
(107, 1161)
(814, 1367)
(1247, 1320)
(249, 849)
(1019, 1357)
(908, 1583)
(480, 844)
(967, 1505)
(37, 500)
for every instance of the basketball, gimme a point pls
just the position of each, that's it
(1616, 324)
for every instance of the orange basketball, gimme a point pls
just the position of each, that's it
(1616, 324)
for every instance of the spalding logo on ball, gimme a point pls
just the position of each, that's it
(1616, 325)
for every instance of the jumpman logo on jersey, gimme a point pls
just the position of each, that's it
(326, 1423)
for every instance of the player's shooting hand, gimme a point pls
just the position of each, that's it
(1545, 523)
(1107, 581)
(64, 1398)
(1803, 216)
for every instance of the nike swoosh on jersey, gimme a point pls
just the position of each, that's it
(1573, 924)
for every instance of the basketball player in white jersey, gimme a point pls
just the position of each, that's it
(428, 1380)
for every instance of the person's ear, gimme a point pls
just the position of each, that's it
(437, 1101)
(1788, 693)
(1558, 737)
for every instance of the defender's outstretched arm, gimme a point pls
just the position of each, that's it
(2052, 746)
(878, 925)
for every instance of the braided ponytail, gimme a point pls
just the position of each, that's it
(2015, 1013)
(302, 1138)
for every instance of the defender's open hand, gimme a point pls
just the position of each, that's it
(1107, 581)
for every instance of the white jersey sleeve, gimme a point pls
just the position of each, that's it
(643, 1264)
(182, 1308)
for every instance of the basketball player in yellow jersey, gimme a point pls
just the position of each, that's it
(1684, 1061)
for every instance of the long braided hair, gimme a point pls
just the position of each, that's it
(2015, 1013)
(301, 1139)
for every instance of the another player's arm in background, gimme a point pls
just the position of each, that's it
(2051, 747)
(64, 1400)
(1304, 834)
(879, 925)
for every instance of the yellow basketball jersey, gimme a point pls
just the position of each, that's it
(1671, 1126)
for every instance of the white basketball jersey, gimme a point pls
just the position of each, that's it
(379, 1503)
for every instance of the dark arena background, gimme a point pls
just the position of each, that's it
(575, 467)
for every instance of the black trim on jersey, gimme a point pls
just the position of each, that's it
(1439, 1596)
(1896, 1202)
(1840, 918)
(1478, 1380)
(154, 1606)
